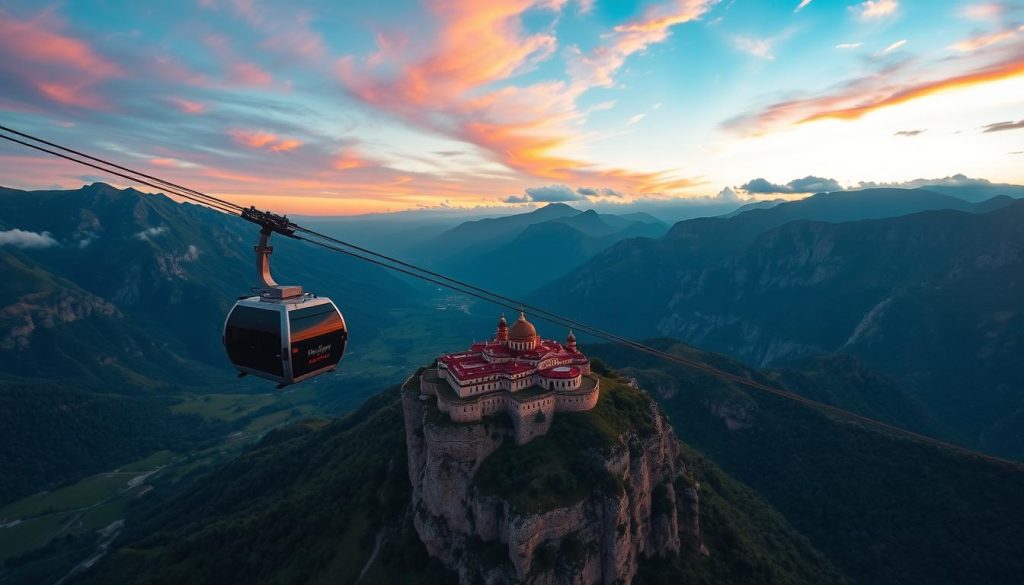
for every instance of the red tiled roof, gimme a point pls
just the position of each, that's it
(468, 365)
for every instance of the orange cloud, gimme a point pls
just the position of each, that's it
(259, 140)
(286, 145)
(864, 95)
(477, 43)
(252, 138)
(350, 159)
(450, 86)
(912, 92)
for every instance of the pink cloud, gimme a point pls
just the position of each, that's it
(238, 70)
(56, 66)
(599, 67)
(350, 159)
(187, 106)
(250, 74)
(32, 40)
(285, 30)
(294, 36)
(71, 95)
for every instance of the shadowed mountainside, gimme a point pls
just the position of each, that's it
(518, 253)
(883, 508)
(932, 299)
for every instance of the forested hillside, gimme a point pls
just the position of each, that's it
(338, 491)
(883, 508)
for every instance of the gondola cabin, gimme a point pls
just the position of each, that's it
(285, 340)
(282, 333)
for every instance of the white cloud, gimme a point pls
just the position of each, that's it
(803, 4)
(150, 233)
(635, 119)
(728, 195)
(25, 239)
(547, 194)
(958, 180)
(893, 47)
(989, 11)
(848, 45)
(876, 8)
(760, 48)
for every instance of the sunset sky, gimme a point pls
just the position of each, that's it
(350, 107)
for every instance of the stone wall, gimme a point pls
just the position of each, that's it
(531, 417)
(578, 401)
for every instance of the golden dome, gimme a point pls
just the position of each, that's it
(522, 330)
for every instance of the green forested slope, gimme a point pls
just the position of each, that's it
(309, 504)
(883, 508)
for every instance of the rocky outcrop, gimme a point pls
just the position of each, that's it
(47, 310)
(600, 538)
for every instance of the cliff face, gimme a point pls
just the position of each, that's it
(930, 299)
(646, 506)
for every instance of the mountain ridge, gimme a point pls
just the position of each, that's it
(927, 298)
(883, 507)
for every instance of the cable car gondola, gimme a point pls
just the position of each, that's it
(282, 333)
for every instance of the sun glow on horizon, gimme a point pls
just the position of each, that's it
(513, 101)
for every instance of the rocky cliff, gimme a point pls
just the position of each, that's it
(582, 504)
(931, 300)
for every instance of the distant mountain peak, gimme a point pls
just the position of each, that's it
(99, 186)
(555, 209)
